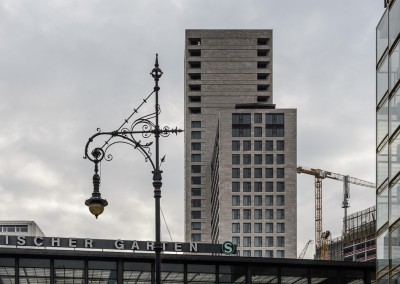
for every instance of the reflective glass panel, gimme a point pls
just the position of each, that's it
(7, 270)
(395, 278)
(257, 145)
(382, 210)
(394, 113)
(394, 22)
(280, 145)
(235, 186)
(137, 272)
(394, 152)
(383, 280)
(264, 274)
(382, 167)
(232, 274)
(382, 251)
(196, 135)
(69, 271)
(382, 35)
(269, 145)
(395, 247)
(201, 274)
(394, 209)
(100, 271)
(294, 275)
(394, 66)
(382, 124)
(235, 145)
(34, 271)
(235, 214)
(382, 81)
(328, 276)
(172, 273)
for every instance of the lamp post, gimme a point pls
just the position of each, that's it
(146, 127)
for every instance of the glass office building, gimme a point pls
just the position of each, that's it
(388, 143)
(20, 265)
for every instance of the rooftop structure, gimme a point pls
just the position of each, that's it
(20, 228)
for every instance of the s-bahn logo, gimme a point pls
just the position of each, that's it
(228, 248)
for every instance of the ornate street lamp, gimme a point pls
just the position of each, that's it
(144, 127)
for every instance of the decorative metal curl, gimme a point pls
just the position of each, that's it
(150, 125)
(96, 155)
(125, 131)
(165, 131)
(145, 150)
(147, 126)
(158, 109)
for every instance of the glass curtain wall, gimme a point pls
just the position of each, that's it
(388, 143)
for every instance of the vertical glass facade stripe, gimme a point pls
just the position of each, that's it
(388, 143)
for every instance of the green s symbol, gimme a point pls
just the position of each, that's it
(228, 248)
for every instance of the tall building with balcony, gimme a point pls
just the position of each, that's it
(388, 143)
(240, 150)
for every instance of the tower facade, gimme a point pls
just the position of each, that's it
(388, 143)
(240, 150)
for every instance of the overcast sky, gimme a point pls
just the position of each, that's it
(68, 67)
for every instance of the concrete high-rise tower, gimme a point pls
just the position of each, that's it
(240, 150)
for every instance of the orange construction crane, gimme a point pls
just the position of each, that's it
(322, 238)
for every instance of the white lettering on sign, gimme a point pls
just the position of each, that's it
(135, 245)
(88, 243)
(119, 244)
(150, 246)
(35, 241)
(193, 247)
(178, 247)
(21, 240)
(55, 242)
(48, 242)
(72, 243)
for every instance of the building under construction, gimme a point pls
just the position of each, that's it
(325, 247)
(358, 243)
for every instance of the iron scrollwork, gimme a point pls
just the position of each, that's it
(128, 134)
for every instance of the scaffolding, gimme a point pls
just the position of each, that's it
(358, 242)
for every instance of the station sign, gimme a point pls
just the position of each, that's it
(122, 245)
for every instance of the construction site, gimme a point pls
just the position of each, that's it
(356, 242)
